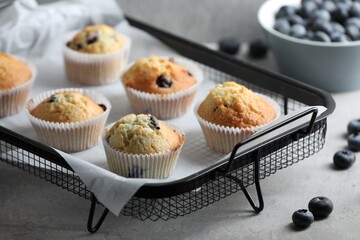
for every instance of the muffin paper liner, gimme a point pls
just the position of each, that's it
(69, 137)
(12, 100)
(223, 139)
(166, 106)
(157, 165)
(95, 69)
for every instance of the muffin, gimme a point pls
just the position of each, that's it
(141, 146)
(16, 80)
(163, 87)
(96, 55)
(231, 112)
(70, 120)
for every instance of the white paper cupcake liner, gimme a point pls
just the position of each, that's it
(223, 139)
(166, 106)
(69, 137)
(156, 166)
(95, 69)
(14, 99)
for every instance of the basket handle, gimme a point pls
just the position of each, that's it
(270, 128)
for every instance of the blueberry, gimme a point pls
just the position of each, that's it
(296, 19)
(297, 31)
(354, 10)
(321, 37)
(79, 46)
(229, 45)
(53, 98)
(344, 159)
(302, 218)
(354, 141)
(309, 35)
(337, 27)
(353, 126)
(353, 21)
(323, 26)
(316, 2)
(321, 207)
(285, 11)
(102, 106)
(154, 123)
(321, 14)
(353, 32)
(164, 81)
(339, 37)
(340, 14)
(136, 172)
(329, 6)
(307, 9)
(282, 25)
(91, 38)
(258, 48)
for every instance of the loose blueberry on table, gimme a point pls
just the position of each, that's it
(344, 159)
(354, 141)
(229, 45)
(258, 48)
(353, 126)
(302, 218)
(319, 20)
(321, 207)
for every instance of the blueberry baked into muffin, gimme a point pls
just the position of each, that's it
(164, 87)
(96, 55)
(68, 119)
(142, 146)
(231, 112)
(16, 79)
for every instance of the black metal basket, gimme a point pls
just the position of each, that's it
(171, 200)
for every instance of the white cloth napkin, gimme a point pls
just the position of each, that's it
(26, 27)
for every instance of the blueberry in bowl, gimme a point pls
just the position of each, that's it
(316, 42)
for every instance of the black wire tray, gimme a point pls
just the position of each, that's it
(173, 199)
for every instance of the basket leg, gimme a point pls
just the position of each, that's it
(90, 227)
(260, 207)
(257, 208)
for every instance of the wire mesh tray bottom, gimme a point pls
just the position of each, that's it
(282, 153)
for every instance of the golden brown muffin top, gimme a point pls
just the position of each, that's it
(142, 134)
(13, 72)
(97, 39)
(67, 107)
(157, 75)
(233, 105)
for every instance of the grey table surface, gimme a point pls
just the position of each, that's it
(31, 208)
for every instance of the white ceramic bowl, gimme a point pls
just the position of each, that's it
(331, 66)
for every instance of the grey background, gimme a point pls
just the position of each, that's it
(199, 20)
